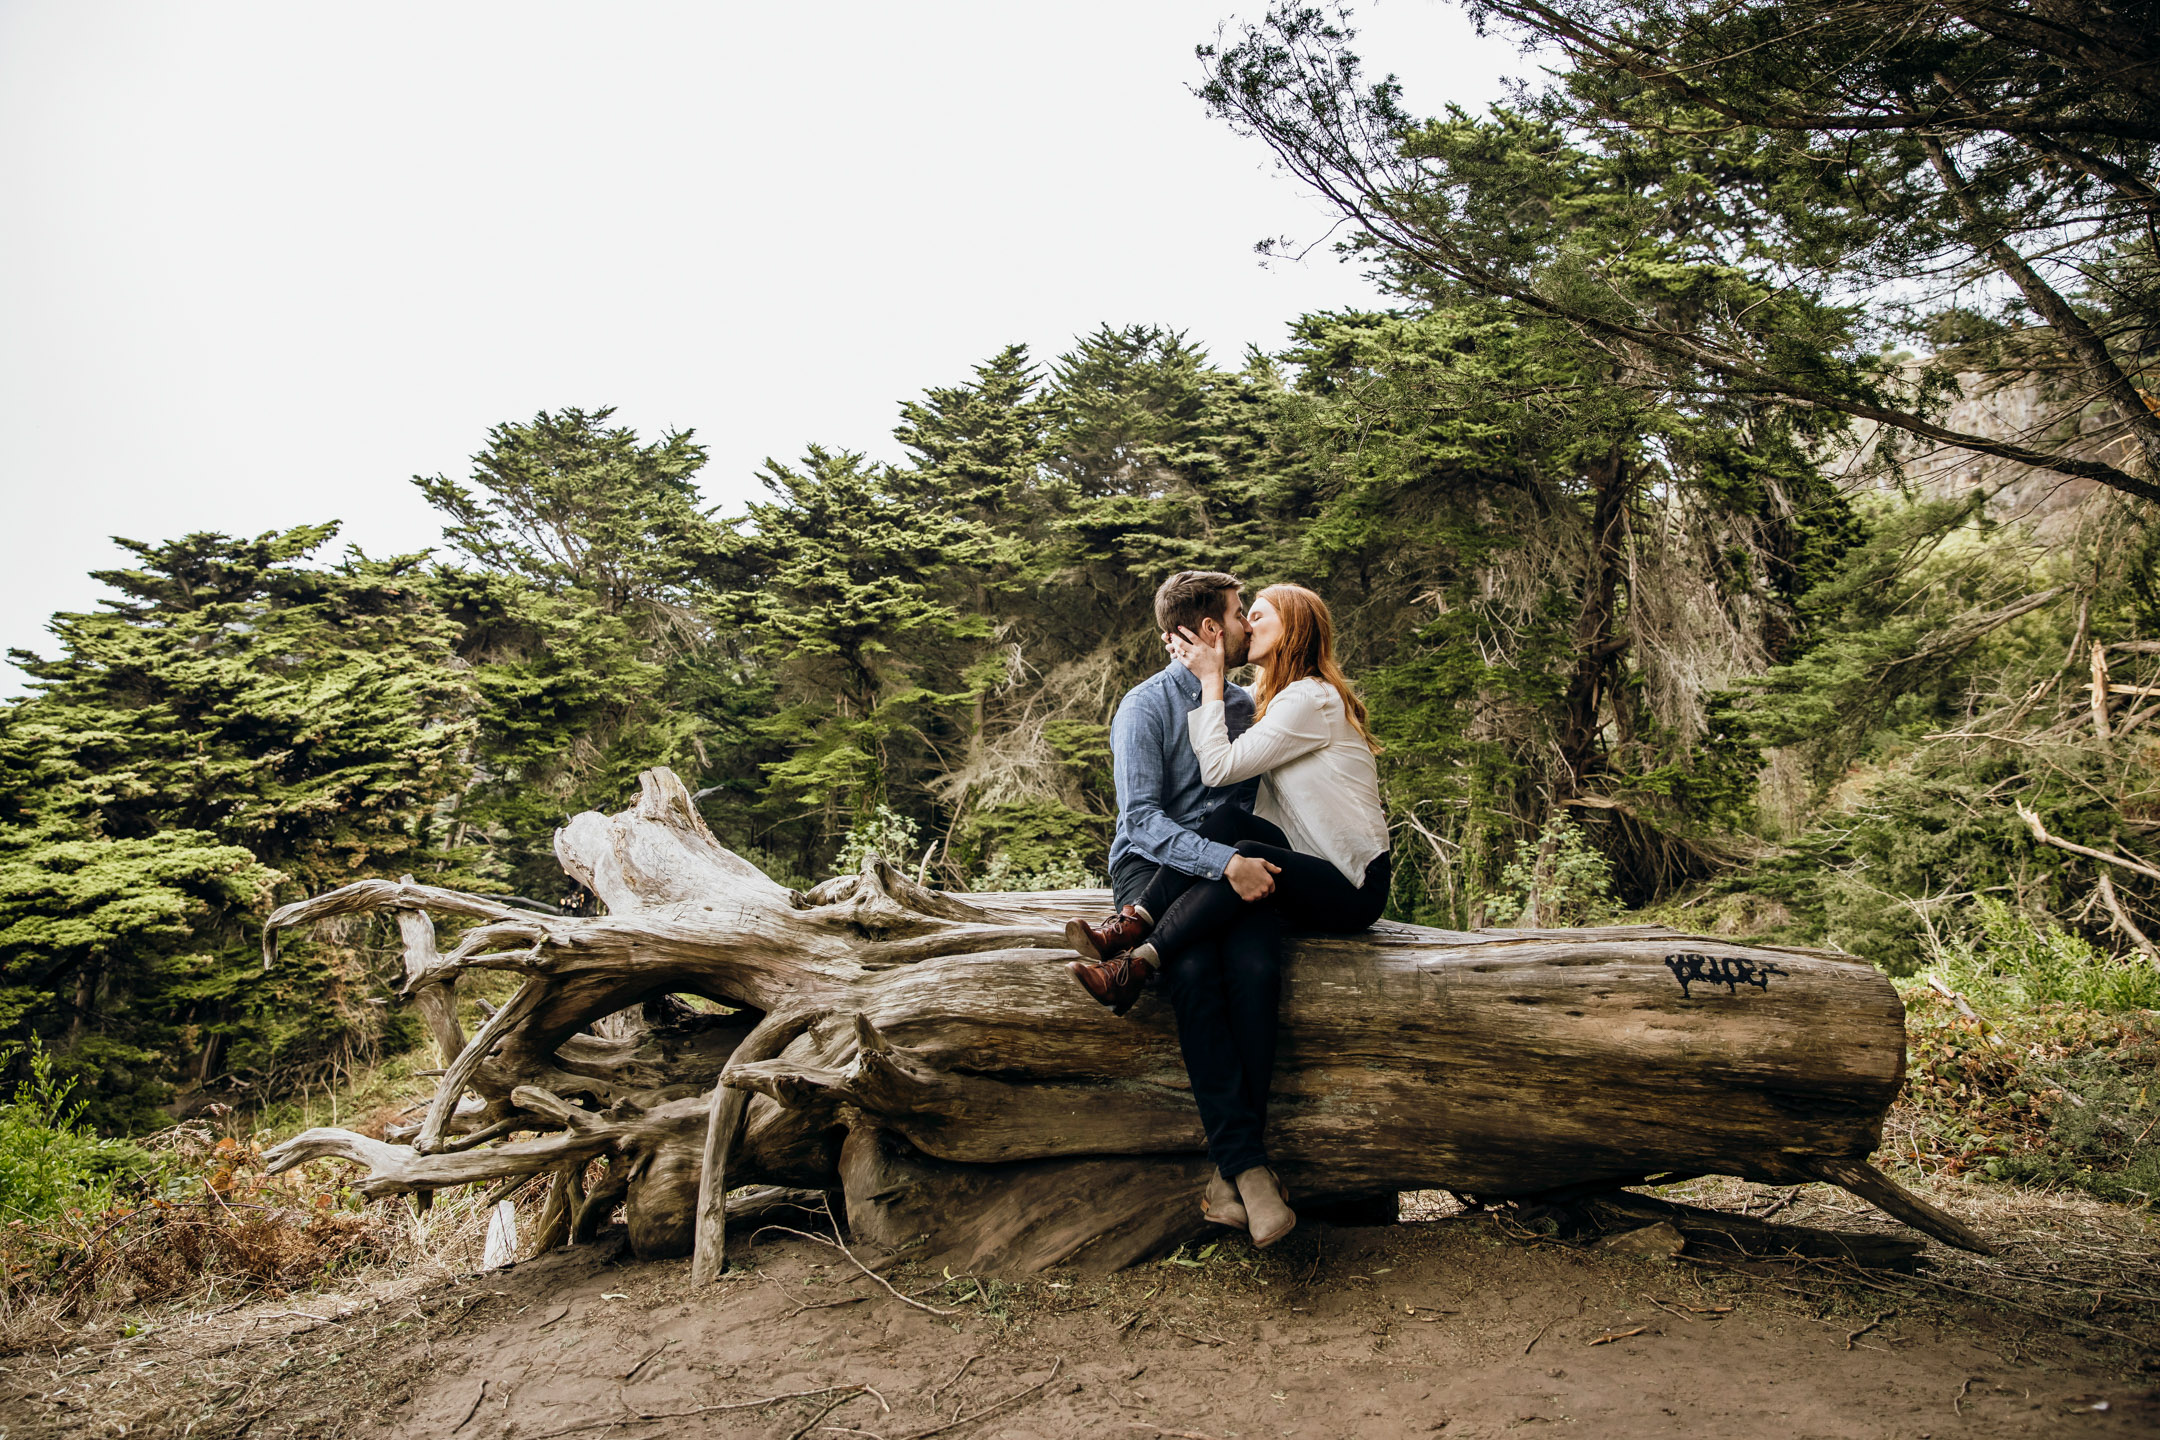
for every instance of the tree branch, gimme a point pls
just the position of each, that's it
(2032, 822)
(2123, 921)
(2101, 371)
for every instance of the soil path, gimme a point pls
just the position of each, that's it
(1449, 1328)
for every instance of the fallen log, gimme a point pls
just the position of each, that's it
(926, 1055)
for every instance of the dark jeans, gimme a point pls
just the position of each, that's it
(1222, 964)
(1131, 878)
(1311, 893)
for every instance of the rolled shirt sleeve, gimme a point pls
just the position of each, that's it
(1136, 747)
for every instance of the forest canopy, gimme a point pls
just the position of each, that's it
(1739, 501)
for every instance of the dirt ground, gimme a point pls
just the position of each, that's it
(1455, 1325)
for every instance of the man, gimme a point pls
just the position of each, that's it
(1225, 993)
(1161, 798)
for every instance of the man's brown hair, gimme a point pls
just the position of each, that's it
(1191, 596)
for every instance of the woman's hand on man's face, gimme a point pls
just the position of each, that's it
(1202, 656)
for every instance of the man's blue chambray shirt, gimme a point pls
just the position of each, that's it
(1159, 790)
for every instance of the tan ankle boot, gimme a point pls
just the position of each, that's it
(1219, 1203)
(1267, 1206)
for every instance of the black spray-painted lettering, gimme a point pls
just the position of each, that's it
(1731, 971)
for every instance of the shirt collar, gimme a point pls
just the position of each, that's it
(1183, 680)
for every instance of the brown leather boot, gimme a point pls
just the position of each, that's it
(1117, 982)
(1113, 937)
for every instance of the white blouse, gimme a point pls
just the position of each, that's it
(1318, 778)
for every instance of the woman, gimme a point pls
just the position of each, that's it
(1317, 825)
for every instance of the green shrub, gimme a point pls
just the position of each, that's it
(1030, 837)
(1560, 878)
(2002, 955)
(887, 832)
(2103, 1142)
(50, 1162)
(777, 867)
(1067, 872)
(2060, 1096)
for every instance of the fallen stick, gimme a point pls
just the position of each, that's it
(954, 1381)
(993, 1407)
(638, 1416)
(812, 1423)
(2123, 921)
(631, 1373)
(478, 1396)
(826, 1304)
(1784, 1200)
(1198, 1339)
(835, 1244)
(1609, 1336)
(1964, 1008)
(731, 1405)
(1855, 1335)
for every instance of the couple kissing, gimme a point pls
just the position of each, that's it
(1242, 815)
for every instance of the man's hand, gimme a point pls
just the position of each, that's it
(1252, 877)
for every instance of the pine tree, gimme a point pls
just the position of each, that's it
(850, 603)
(238, 725)
(982, 444)
(581, 606)
(1144, 438)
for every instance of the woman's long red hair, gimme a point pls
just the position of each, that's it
(1306, 651)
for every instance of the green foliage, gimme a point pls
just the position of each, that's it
(982, 446)
(103, 932)
(239, 725)
(849, 605)
(1031, 845)
(885, 832)
(1689, 193)
(309, 713)
(1943, 688)
(575, 506)
(2002, 956)
(51, 1163)
(1560, 878)
(2057, 1095)
(582, 609)
(1067, 872)
(2092, 1147)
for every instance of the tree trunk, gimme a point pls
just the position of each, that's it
(927, 1055)
(1597, 646)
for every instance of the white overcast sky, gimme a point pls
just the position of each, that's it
(261, 263)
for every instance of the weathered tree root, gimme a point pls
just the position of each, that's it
(927, 1055)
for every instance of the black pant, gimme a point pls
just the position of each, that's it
(1311, 893)
(1222, 964)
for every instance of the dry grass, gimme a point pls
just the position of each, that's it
(218, 1233)
(2065, 1259)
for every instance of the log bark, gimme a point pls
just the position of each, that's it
(927, 1055)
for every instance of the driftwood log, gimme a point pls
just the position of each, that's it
(926, 1056)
